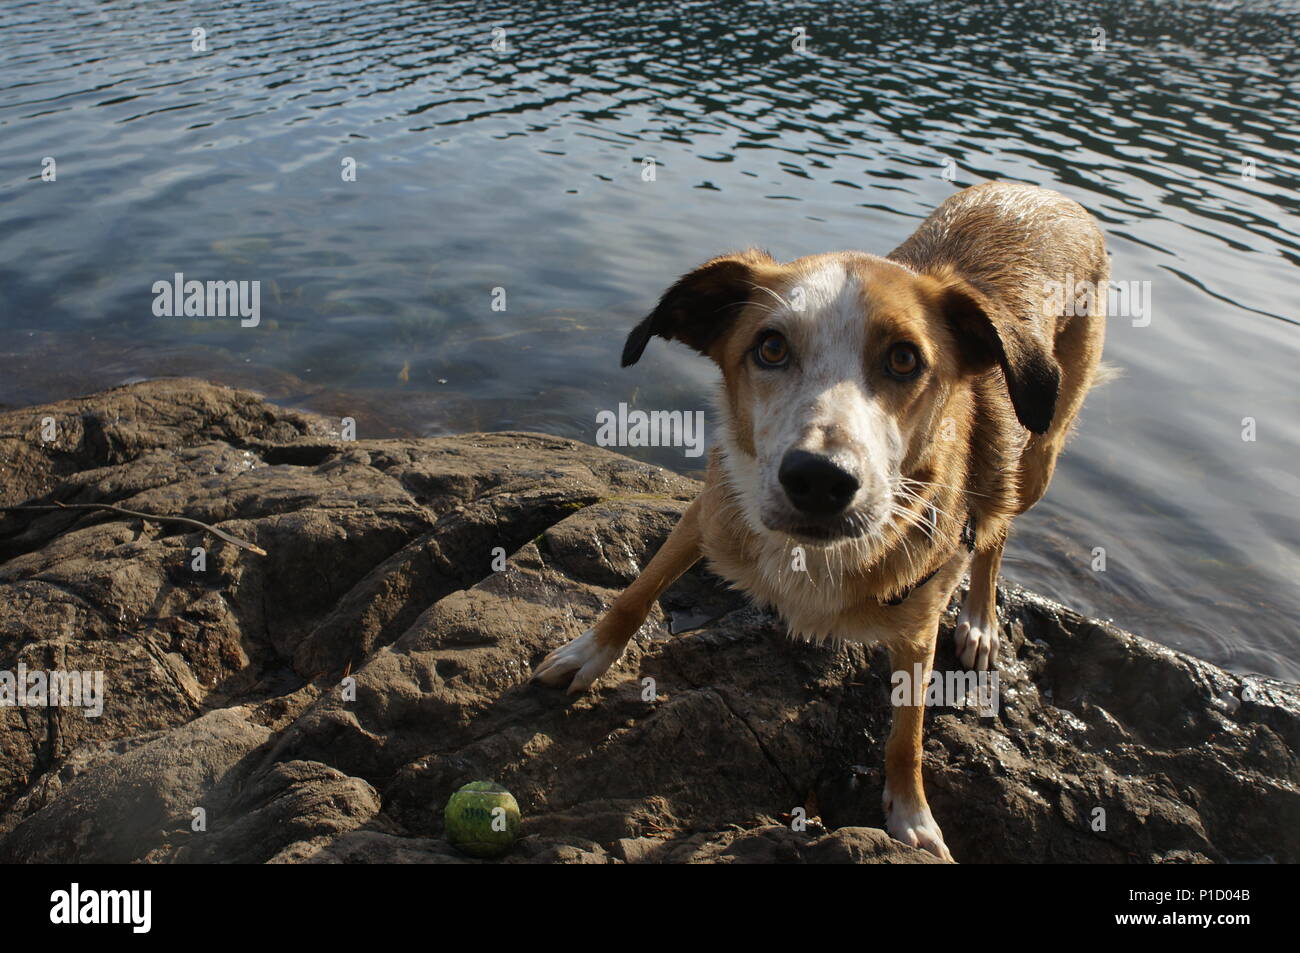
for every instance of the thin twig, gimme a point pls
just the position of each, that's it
(220, 534)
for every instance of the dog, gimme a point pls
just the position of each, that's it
(886, 419)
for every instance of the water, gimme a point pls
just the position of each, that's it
(480, 169)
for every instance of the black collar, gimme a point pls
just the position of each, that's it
(967, 540)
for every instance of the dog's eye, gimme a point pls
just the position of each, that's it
(772, 350)
(902, 361)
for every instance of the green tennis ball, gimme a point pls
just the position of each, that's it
(482, 819)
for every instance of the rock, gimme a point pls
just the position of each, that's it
(139, 791)
(321, 703)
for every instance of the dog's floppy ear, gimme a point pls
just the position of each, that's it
(989, 334)
(702, 305)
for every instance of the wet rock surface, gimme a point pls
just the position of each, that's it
(320, 704)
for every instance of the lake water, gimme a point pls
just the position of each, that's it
(522, 168)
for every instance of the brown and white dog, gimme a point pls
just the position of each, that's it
(890, 416)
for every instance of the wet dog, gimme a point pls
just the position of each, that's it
(883, 421)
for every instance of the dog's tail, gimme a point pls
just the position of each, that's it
(1105, 373)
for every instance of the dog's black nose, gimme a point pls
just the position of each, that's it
(815, 485)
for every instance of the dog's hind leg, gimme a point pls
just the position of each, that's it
(588, 656)
(1078, 349)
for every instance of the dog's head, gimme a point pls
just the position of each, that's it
(836, 371)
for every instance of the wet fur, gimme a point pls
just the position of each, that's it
(1005, 382)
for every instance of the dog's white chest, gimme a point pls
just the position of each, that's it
(804, 585)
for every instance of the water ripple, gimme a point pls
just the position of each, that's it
(524, 169)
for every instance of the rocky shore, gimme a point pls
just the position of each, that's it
(320, 703)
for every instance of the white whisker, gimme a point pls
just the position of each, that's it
(784, 303)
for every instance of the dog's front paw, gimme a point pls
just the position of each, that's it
(914, 825)
(585, 658)
(976, 640)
